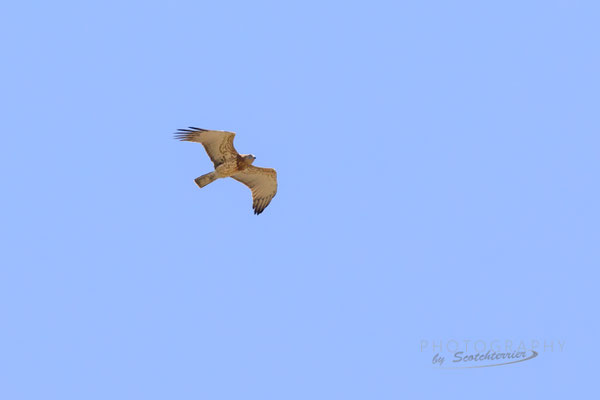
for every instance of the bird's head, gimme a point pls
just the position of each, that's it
(249, 158)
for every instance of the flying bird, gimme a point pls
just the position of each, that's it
(229, 163)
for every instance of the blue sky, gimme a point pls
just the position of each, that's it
(438, 180)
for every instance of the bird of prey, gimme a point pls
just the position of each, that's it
(229, 163)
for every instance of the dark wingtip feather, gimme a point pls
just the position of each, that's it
(184, 134)
(181, 136)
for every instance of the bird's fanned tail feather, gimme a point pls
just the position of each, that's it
(205, 179)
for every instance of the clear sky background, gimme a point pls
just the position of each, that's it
(438, 180)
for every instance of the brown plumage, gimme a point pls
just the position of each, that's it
(229, 163)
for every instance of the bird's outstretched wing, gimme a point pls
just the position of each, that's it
(263, 184)
(218, 144)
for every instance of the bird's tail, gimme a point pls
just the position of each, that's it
(205, 179)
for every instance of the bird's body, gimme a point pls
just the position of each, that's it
(230, 168)
(229, 163)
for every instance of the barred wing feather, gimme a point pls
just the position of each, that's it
(263, 184)
(218, 144)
